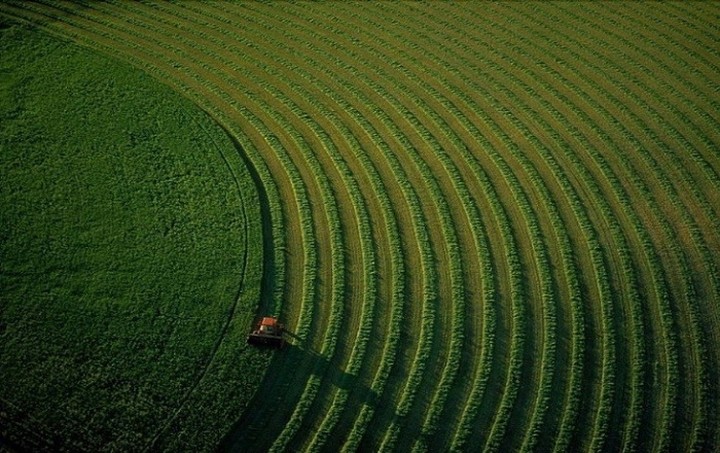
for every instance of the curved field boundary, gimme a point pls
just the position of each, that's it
(232, 168)
(95, 43)
(231, 324)
(492, 228)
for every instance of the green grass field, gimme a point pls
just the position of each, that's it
(130, 256)
(488, 226)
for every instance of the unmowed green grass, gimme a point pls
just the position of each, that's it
(130, 257)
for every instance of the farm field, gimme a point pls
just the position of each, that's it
(130, 257)
(488, 226)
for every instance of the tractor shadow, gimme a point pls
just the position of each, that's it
(292, 367)
(324, 368)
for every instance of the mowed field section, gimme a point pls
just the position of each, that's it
(489, 226)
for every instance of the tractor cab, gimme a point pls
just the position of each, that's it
(267, 332)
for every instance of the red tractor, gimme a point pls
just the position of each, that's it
(267, 332)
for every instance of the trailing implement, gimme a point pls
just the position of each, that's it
(267, 332)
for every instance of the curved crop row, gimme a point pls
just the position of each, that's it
(674, 195)
(660, 173)
(516, 101)
(557, 225)
(486, 227)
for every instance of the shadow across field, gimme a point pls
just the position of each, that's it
(323, 367)
(339, 378)
(290, 369)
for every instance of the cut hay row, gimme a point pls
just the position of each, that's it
(690, 137)
(456, 260)
(489, 230)
(452, 362)
(401, 174)
(457, 115)
(514, 102)
(300, 143)
(335, 318)
(668, 185)
(546, 198)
